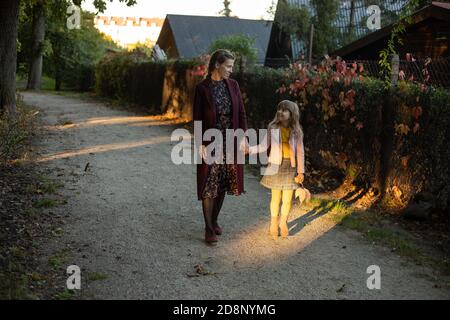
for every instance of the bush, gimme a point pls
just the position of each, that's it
(138, 81)
(259, 91)
(15, 131)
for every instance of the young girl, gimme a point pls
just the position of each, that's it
(286, 163)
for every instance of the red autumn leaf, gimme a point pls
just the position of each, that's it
(326, 95)
(351, 93)
(347, 81)
(359, 125)
(341, 66)
(417, 112)
(402, 129)
(341, 96)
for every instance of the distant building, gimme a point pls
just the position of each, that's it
(127, 31)
(191, 36)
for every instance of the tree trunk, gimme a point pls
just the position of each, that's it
(9, 19)
(38, 34)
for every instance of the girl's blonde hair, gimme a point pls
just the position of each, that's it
(294, 121)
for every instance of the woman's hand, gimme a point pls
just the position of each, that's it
(202, 151)
(299, 178)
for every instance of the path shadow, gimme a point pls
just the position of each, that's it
(295, 226)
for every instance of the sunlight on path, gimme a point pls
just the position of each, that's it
(104, 148)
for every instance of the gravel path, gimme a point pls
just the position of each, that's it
(133, 217)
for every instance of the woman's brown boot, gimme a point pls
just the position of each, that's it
(274, 227)
(284, 228)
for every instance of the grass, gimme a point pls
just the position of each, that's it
(15, 133)
(367, 223)
(58, 259)
(50, 186)
(44, 185)
(46, 203)
(402, 243)
(17, 252)
(47, 83)
(14, 283)
(339, 210)
(96, 276)
(31, 212)
(65, 295)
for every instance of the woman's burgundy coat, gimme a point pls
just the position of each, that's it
(205, 111)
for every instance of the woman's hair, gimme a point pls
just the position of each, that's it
(294, 120)
(219, 56)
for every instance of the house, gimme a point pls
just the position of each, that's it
(184, 36)
(428, 36)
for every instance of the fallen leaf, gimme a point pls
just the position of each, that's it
(405, 161)
(341, 288)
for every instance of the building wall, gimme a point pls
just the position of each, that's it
(166, 41)
(127, 31)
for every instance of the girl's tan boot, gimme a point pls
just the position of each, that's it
(284, 229)
(274, 227)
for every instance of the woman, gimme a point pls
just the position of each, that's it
(218, 104)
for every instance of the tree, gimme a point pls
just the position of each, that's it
(39, 17)
(226, 11)
(72, 54)
(241, 45)
(326, 32)
(9, 14)
(290, 21)
(36, 54)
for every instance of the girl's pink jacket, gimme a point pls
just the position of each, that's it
(274, 147)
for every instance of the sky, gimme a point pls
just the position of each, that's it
(244, 9)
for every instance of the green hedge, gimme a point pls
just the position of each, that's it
(127, 78)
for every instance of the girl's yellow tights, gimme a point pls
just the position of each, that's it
(278, 196)
(284, 196)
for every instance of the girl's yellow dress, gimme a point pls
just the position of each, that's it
(285, 134)
(284, 179)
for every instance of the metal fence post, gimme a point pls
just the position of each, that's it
(395, 69)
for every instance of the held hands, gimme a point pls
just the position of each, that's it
(299, 178)
(244, 147)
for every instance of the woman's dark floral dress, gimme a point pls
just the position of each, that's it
(221, 177)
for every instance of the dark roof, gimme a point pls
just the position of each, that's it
(194, 34)
(438, 10)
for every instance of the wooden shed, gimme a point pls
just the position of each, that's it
(427, 35)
